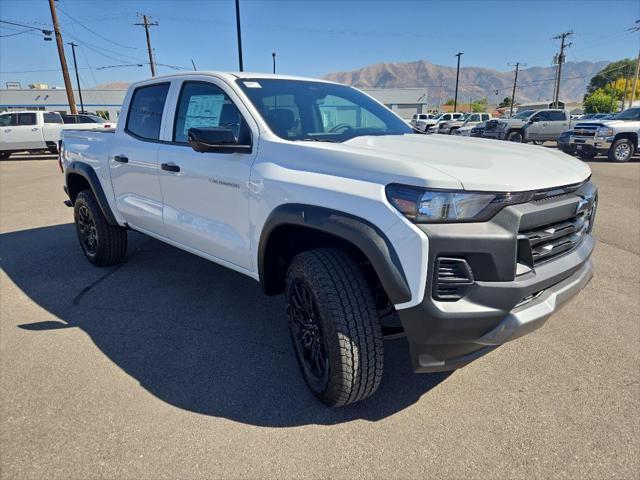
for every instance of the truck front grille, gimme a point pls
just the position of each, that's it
(550, 241)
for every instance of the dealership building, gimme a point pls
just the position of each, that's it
(107, 103)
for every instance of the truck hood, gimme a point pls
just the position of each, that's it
(478, 164)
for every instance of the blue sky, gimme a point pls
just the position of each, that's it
(311, 38)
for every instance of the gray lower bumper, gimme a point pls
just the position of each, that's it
(597, 143)
(503, 302)
(529, 317)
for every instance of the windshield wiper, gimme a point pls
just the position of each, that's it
(312, 139)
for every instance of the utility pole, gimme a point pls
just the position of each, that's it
(63, 60)
(440, 94)
(563, 36)
(626, 85)
(635, 81)
(75, 66)
(194, 64)
(555, 78)
(239, 35)
(455, 99)
(146, 24)
(513, 93)
(274, 61)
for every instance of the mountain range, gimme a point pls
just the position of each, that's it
(534, 83)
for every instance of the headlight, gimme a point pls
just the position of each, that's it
(446, 206)
(604, 132)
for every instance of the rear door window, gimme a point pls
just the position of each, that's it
(52, 118)
(8, 120)
(26, 119)
(145, 111)
(556, 116)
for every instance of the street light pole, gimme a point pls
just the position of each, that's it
(455, 99)
(75, 66)
(274, 61)
(239, 34)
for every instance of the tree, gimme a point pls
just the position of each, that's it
(611, 73)
(598, 102)
(505, 103)
(450, 101)
(480, 105)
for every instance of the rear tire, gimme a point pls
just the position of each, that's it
(334, 326)
(515, 137)
(103, 244)
(621, 150)
(4, 155)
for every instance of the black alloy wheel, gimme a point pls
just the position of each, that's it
(308, 338)
(87, 231)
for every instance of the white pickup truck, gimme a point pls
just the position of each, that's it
(317, 191)
(34, 131)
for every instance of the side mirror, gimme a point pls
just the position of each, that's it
(216, 140)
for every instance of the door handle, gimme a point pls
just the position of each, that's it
(121, 159)
(7, 130)
(34, 129)
(170, 167)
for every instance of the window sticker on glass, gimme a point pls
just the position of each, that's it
(252, 85)
(203, 111)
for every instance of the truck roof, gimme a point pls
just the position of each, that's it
(28, 111)
(231, 76)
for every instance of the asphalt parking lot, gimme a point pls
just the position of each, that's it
(169, 366)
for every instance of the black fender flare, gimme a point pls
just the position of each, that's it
(89, 174)
(371, 241)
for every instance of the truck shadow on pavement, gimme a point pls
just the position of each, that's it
(194, 334)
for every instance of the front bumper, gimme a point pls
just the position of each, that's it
(600, 144)
(497, 134)
(505, 301)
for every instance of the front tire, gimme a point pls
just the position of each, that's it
(334, 326)
(515, 136)
(621, 150)
(103, 244)
(587, 154)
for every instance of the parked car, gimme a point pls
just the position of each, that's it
(530, 126)
(468, 121)
(419, 120)
(564, 142)
(85, 118)
(431, 125)
(617, 138)
(33, 131)
(349, 213)
(478, 130)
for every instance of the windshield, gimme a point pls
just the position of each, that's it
(629, 114)
(305, 110)
(525, 114)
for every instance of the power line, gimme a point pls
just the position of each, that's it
(47, 33)
(94, 32)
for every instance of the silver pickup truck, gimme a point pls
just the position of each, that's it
(617, 138)
(529, 126)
